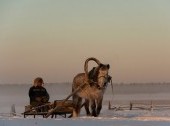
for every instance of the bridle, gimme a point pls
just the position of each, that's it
(95, 83)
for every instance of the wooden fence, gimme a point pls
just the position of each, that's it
(141, 105)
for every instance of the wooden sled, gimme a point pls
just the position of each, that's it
(63, 109)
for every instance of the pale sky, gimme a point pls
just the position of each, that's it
(53, 38)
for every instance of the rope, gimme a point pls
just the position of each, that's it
(112, 88)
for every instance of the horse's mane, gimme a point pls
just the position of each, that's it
(93, 73)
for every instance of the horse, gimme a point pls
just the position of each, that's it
(86, 103)
(93, 85)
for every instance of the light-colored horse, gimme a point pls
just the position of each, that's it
(93, 85)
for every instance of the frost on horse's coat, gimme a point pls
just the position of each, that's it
(95, 83)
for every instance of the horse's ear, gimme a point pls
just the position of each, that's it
(108, 66)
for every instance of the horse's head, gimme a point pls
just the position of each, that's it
(99, 75)
(103, 77)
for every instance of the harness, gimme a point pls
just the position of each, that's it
(95, 83)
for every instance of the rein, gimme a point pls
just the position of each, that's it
(111, 85)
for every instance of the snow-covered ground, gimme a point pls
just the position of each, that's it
(85, 122)
(18, 95)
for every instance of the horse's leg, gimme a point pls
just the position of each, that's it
(86, 106)
(77, 102)
(93, 108)
(79, 105)
(99, 105)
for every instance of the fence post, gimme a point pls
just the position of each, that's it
(131, 106)
(13, 112)
(109, 106)
(151, 106)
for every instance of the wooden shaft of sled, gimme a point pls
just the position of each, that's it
(50, 112)
(34, 108)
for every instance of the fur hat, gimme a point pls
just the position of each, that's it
(38, 80)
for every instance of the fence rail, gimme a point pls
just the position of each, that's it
(141, 105)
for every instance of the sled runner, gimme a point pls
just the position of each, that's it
(63, 109)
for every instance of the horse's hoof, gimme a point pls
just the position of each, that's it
(94, 115)
(89, 114)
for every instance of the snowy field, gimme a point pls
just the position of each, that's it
(18, 95)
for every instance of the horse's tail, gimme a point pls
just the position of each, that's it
(86, 66)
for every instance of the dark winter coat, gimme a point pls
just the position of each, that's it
(38, 95)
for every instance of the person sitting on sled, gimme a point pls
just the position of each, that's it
(37, 93)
